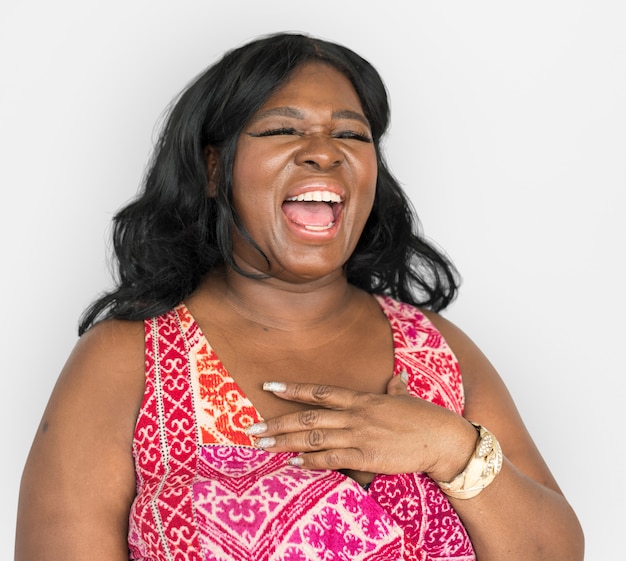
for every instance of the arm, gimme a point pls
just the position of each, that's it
(522, 515)
(78, 482)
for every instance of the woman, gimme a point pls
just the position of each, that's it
(271, 379)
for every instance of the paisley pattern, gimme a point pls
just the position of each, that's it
(205, 493)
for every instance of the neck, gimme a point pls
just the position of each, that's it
(278, 304)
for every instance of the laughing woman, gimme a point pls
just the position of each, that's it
(271, 379)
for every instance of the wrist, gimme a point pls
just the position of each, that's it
(481, 469)
(457, 450)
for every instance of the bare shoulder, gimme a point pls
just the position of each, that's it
(489, 402)
(106, 366)
(114, 338)
(115, 345)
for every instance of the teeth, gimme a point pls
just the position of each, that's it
(318, 196)
(319, 228)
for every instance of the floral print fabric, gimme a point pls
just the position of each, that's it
(204, 492)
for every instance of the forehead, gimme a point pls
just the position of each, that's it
(315, 85)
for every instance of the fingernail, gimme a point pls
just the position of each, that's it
(274, 387)
(255, 429)
(295, 461)
(265, 442)
(404, 376)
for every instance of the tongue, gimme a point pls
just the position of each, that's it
(309, 213)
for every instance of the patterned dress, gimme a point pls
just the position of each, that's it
(204, 492)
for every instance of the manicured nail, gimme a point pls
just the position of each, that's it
(265, 442)
(255, 429)
(404, 376)
(295, 461)
(274, 387)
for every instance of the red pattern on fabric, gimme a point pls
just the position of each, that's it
(205, 493)
(165, 450)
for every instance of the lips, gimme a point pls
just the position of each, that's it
(314, 210)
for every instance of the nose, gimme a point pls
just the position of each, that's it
(319, 151)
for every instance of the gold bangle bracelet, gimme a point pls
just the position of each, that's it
(482, 468)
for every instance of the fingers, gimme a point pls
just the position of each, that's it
(337, 408)
(339, 432)
(331, 396)
(306, 441)
(314, 394)
(303, 428)
(349, 458)
(397, 385)
(311, 430)
(317, 449)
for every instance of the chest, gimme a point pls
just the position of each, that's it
(359, 357)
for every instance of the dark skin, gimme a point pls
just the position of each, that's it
(303, 325)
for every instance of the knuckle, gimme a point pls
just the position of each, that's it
(297, 391)
(333, 460)
(370, 405)
(315, 438)
(309, 417)
(321, 392)
(366, 457)
(276, 425)
(370, 400)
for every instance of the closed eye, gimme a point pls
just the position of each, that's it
(354, 136)
(274, 132)
(290, 131)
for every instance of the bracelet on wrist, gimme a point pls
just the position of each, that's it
(482, 468)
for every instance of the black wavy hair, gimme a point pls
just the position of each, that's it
(173, 232)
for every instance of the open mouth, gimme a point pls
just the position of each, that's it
(316, 211)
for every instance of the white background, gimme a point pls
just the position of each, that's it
(509, 133)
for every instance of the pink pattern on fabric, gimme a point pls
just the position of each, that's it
(203, 492)
(252, 504)
(434, 373)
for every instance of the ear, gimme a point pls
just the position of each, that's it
(212, 160)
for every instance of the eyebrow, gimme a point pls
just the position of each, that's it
(297, 114)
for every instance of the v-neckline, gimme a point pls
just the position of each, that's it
(225, 373)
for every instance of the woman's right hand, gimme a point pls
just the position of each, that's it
(365, 432)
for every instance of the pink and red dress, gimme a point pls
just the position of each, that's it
(205, 493)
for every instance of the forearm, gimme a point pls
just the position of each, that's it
(516, 518)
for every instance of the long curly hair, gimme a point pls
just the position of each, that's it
(173, 232)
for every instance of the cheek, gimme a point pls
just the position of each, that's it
(248, 184)
(369, 174)
(255, 169)
(368, 164)
(368, 191)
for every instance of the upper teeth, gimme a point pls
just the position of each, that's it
(323, 196)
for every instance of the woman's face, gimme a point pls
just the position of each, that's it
(304, 177)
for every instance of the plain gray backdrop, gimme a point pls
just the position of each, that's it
(508, 131)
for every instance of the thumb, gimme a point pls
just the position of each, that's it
(397, 384)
